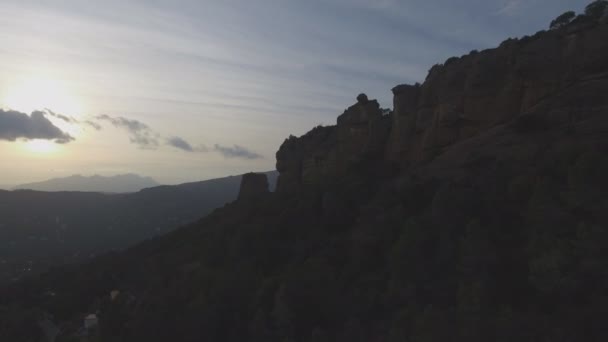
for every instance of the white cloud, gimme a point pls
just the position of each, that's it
(510, 7)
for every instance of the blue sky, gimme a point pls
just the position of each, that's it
(229, 78)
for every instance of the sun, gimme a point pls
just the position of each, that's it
(39, 92)
(41, 146)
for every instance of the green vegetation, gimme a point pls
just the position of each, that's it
(562, 20)
(596, 9)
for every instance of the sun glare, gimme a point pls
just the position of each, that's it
(38, 93)
(41, 146)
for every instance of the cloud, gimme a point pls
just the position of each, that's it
(16, 125)
(139, 133)
(510, 7)
(65, 118)
(72, 120)
(236, 151)
(145, 137)
(93, 124)
(183, 145)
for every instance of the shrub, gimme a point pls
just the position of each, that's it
(451, 60)
(596, 9)
(562, 20)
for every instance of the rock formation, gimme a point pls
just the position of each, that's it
(253, 185)
(542, 76)
(325, 153)
(555, 78)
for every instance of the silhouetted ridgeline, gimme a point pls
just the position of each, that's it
(114, 184)
(524, 88)
(476, 211)
(43, 229)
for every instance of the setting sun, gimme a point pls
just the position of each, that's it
(41, 146)
(38, 93)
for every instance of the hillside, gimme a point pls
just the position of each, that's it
(475, 211)
(114, 184)
(43, 229)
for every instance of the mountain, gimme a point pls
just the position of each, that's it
(113, 184)
(43, 229)
(475, 211)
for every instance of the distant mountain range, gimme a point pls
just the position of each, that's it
(114, 184)
(43, 229)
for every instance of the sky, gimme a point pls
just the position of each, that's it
(190, 90)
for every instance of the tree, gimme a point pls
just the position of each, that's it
(596, 9)
(562, 20)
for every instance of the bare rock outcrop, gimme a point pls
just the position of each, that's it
(302, 160)
(542, 76)
(405, 106)
(550, 80)
(323, 154)
(253, 185)
(359, 129)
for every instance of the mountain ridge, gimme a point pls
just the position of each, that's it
(39, 230)
(121, 183)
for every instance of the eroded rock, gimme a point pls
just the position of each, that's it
(253, 185)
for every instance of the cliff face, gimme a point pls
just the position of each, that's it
(553, 79)
(253, 185)
(545, 77)
(325, 153)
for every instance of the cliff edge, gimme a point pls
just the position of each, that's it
(554, 81)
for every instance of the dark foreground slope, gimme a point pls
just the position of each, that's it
(43, 229)
(476, 211)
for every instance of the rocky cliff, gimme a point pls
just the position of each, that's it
(553, 80)
(253, 185)
(325, 153)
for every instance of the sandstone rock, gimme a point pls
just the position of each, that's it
(253, 185)
(307, 159)
(405, 105)
(362, 98)
(334, 206)
(453, 204)
(360, 113)
(552, 81)
(542, 75)
(323, 154)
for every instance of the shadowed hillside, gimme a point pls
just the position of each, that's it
(42, 229)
